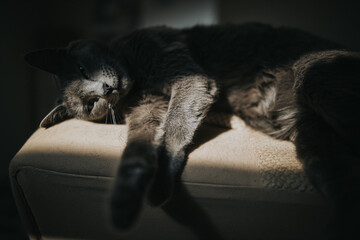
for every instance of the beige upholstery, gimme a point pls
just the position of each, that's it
(238, 184)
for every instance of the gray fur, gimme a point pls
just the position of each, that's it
(285, 82)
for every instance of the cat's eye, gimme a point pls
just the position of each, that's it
(83, 72)
(90, 104)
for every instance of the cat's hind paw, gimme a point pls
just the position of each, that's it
(128, 196)
(160, 191)
(125, 210)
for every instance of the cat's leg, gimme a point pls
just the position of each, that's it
(139, 160)
(328, 124)
(191, 97)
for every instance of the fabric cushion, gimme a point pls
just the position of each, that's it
(238, 183)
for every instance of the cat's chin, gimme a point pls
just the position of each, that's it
(99, 111)
(113, 98)
(96, 118)
(105, 110)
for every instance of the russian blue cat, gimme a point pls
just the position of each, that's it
(163, 81)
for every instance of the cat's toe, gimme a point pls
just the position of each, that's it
(126, 206)
(160, 192)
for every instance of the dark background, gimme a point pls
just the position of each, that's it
(28, 94)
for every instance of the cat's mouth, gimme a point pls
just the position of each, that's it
(112, 115)
(112, 98)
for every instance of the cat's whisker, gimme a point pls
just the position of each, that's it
(116, 114)
(113, 116)
(108, 114)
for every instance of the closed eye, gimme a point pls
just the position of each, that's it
(83, 72)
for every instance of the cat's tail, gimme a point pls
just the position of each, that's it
(328, 83)
(327, 88)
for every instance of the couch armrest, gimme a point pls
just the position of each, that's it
(238, 182)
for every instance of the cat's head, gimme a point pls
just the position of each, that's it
(91, 78)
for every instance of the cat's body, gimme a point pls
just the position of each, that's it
(284, 82)
(255, 81)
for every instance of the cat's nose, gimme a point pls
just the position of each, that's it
(107, 89)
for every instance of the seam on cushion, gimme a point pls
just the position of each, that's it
(28, 210)
(211, 185)
(66, 173)
(247, 187)
(185, 182)
(112, 177)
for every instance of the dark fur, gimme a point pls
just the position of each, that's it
(284, 82)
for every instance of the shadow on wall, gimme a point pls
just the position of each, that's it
(338, 21)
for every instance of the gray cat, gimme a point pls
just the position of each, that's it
(285, 82)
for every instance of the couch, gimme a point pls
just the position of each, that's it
(237, 184)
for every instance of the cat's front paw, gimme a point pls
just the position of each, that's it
(128, 195)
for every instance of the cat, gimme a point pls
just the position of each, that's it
(285, 82)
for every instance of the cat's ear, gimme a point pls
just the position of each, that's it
(49, 60)
(57, 115)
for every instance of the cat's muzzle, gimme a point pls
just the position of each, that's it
(113, 97)
(108, 89)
